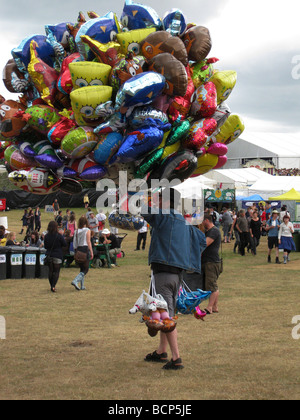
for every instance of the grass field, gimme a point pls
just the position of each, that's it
(85, 345)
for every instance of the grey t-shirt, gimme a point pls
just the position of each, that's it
(211, 253)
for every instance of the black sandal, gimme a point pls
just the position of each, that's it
(174, 364)
(155, 357)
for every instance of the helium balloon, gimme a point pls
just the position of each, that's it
(140, 90)
(21, 54)
(84, 102)
(102, 29)
(126, 221)
(197, 42)
(108, 145)
(205, 163)
(203, 71)
(10, 123)
(105, 53)
(225, 82)
(60, 32)
(140, 114)
(221, 114)
(73, 29)
(64, 82)
(87, 169)
(130, 41)
(67, 172)
(84, 73)
(125, 69)
(41, 117)
(46, 156)
(138, 16)
(174, 22)
(149, 163)
(178, 166)
(36, 180)
(231, 129)
(174, 72)
(115, 123)
(218, 149)
(179, 130)
(59, 130)
(170, 150)
(79, 142)
(221, 162)
(13, 79)
(180, 106)
(43, 76)
(199, 133)
(137, 143)
(26, 148)
(205, 101)
(94, 173)
(16, 159)
(163, 42)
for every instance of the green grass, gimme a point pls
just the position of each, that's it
(85, 345)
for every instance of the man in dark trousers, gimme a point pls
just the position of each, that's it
(175, 246)
(211, 262)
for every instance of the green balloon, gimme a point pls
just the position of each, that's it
(178, 132)
(149, 163)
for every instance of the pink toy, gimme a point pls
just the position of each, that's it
(199, 314)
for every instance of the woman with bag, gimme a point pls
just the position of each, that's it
(83, 251)
(54, 243)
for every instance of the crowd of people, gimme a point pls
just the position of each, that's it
(247, 226)
(288, 172)
(67, 238)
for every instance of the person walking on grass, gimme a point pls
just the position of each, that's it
(211, 263)
(82, 243)
(243, 229)
(285, 238)
(175, 246)
(226, 222)
(142, 237)
(272, 227)
(24, 220)
(54, 244)
(37, 219)
(255, 231)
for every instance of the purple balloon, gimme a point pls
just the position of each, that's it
(66, 172)
(49, 161)
(94, 173)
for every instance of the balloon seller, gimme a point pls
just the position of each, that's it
(138, 93)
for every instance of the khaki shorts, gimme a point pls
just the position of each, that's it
(211, 271)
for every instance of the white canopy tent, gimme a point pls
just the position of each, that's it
(275, 185)
(193, 188)
(240, 179)
(282, 148)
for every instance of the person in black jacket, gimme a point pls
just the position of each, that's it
(54, 243)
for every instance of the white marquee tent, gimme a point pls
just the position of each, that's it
(282, 148)
(240, 179)
(275, 185)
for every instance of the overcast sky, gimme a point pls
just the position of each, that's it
(260, 39)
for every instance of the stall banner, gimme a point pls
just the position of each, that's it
(227, 195)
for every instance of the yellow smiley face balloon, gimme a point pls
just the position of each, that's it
(231, 129)
(130, 41)
(84, 102)
(225, 82)
(85, 73)
(205, 163)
